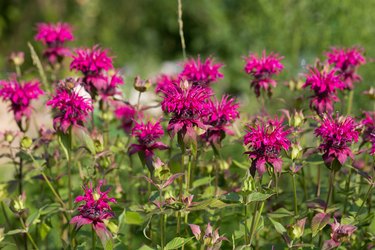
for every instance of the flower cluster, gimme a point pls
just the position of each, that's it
(188, 104)
(54, 37)
(325, 84)
(369, 133)
(147, 135)
(94, 64)
(265, 140)
(346, 62)
(72, 107)
(95, 210)
(211, 239)
(201, 73)
(163, 83)
(262, 69)
(340, 233)
(126, 113)
(20, 95)
(337, 133)
(221, 114)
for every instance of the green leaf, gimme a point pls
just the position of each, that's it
(319, 222)
(38, 64)
(234, 197)
(50, 208)
(32, 218)
(202, 181)
(256, 196)
(16, 231)
(241, 165)
(281, 213)
(44, 229)
(278, 226)
(145, 247)
(109, 245)
(133, 218)
(177, 243)
(84, 137)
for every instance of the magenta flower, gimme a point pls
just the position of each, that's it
(92, 63)
(188, 105)
(340, 233)
(126, 113)
(163, 82)
(95, 210)
(265, 141)
(147, 135)
(211, 239)
(73, 107)
(110, 88)
(20, 95)
(262, 69)
(369, 133)
(201, 73)
(221, 114)
(337, 134)
(346, 61)
(49, 33)
(54, 36)
(325, 85)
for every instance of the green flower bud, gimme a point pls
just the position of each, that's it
(296, 151)
(26, 142)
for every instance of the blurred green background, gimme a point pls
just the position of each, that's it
(144, 33)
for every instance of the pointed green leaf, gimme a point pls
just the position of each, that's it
(177, 243)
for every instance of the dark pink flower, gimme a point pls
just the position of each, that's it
(262, 69)
(49, 33)
(110, 88)
(126, 113)
(163, 82)
(221, 114)
(147, 135)
(94, 64)
(369, 133)
(91, 61)
(72, 107)
(187, 104)
(95, 210)
(211, 239)
(265, 140)
(54, 36)
(325, 84)
(20, 95)
(201, 73)
(340, 233)
(337, 135)
(346, 61)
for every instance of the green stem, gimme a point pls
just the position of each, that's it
(318, 183)
(256, 222)
(350, 102)
(20, 187)
(246, 225)
(181, 28)
(364, 201)
(161, 220)
(347, 187)
(330, 189)
(28, 235)
(93, 238)
(188, 175)
(295, 195)
(253, 223)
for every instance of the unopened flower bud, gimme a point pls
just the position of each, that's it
(296, 151)
(298, 119)
(248, 184)
(370, 93)
(8, 137)
(17, 58)
(296, 231)
(141, 85)
(26, 142)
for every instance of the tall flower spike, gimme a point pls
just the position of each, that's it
(72, 107)
(54, 36)
(95, 210)
(20, 95)
(221, 114)
(325, 84)
(265, 140)
(337, 134)
(201, 73)
(147, 135)
(346, 61)
(262, 69)
(188, 105)
(369, 133)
